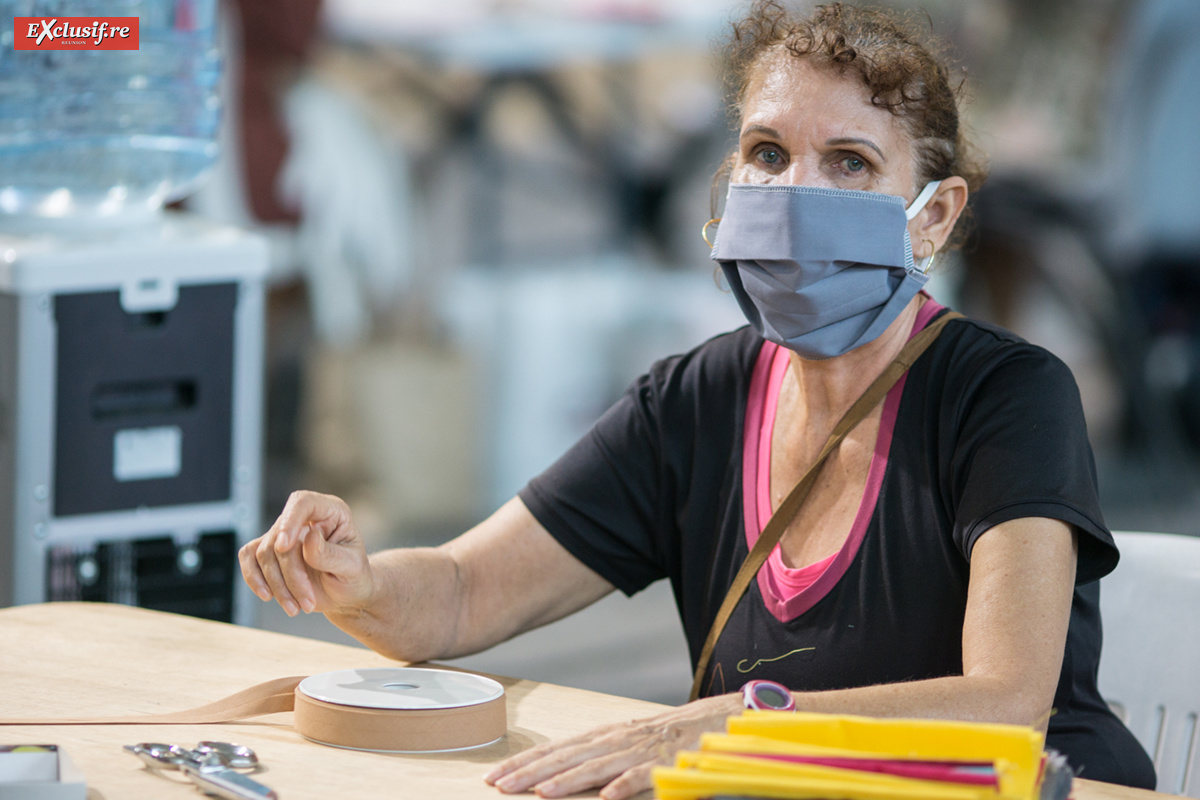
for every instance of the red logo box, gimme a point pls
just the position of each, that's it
(75, 33)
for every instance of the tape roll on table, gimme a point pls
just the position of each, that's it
(392, 710)
(401, 710)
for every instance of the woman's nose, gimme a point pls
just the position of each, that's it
(797, 173)
(801, 173)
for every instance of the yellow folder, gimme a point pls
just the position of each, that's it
(761, 756)
(1019, 747)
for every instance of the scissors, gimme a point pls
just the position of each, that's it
(212, 766)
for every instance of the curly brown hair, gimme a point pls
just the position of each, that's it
(901, 64)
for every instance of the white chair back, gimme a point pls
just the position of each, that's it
(1150, 667)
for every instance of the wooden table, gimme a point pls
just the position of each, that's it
(83, 659)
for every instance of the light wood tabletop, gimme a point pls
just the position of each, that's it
(64, 660)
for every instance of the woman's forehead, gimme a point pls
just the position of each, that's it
(799, 91)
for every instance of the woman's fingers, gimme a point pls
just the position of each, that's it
(562, 768)
(617, 757)
(296, 577)
(632, 781)
(501, 774)
(302, 510)
(266, 556)
(289, 562)
(255, 558)
(535, 765)
(604, 771)
(622, 759)
(251, 571)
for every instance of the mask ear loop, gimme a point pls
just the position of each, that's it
(921, 200)
(704, 231)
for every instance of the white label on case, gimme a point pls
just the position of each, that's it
(143, 453)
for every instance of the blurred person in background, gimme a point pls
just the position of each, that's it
(276, 41)
(944, 563)
(1087, 235)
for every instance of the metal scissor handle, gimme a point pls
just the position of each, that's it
(210, 765)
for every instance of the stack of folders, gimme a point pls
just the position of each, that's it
(780, 754)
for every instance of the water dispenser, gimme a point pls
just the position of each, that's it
(131, 337)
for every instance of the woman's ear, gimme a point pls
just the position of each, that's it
(936, 221)
(720, 184)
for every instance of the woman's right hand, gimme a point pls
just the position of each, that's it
(311, 559)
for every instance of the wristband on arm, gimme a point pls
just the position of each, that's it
(768, 696)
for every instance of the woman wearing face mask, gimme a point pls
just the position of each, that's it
(941, 561)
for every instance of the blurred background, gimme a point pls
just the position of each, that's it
(484, 220)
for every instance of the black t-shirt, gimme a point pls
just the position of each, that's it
(989, 429)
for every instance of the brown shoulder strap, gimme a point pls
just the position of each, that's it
(783, 516)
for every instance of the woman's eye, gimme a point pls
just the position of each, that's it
(769, 155)
(854, 164)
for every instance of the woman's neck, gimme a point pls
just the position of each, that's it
(822, 391)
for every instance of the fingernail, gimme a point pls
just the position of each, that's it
(546, 789)
(291, 609)
(308, 605)
(491, 776)
(506, 784)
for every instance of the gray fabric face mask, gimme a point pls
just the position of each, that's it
(819, 271)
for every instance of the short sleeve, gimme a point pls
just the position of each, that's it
(600, 500)
(1022, 450)
(647, 492)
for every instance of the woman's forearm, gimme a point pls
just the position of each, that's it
(499, 579)
(413, 612)
(972, 698)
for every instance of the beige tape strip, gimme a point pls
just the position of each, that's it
(422, 730)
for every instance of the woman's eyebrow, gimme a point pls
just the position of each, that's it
(770, 133)
(850, 140)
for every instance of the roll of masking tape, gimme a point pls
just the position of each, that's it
(400, 710)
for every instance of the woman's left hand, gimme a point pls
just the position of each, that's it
(618, 757)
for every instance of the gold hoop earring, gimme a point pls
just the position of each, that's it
(933, 247)
(704, 231)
